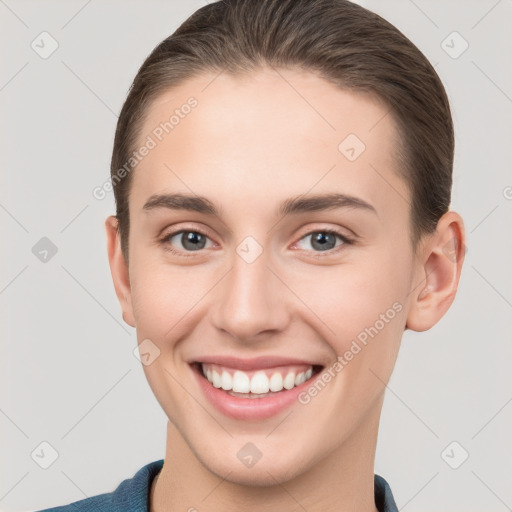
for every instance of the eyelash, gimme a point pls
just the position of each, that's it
(323, 254)
(320, 254)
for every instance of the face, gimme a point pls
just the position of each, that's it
(325, 282)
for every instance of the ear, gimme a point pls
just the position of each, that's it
(119, 269)
(441, 258)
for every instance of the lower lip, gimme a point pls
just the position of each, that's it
(249, 408)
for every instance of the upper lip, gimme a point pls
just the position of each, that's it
(255, 363)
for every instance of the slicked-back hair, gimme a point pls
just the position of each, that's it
(342, 42)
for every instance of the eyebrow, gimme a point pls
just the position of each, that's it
(292, 205)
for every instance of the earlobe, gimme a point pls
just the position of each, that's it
(441, 262)
(119, 270)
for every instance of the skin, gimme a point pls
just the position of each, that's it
(252, 142)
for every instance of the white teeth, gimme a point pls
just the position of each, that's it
(301, 377)
(260, 384)
(217, 382)
(289, 381)
(241, 382)
(276, 382)
(226, 381)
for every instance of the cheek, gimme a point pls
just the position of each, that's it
(351, 297)
(360, 310)
(166, 302)
(161, 296)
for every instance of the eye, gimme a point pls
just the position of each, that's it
(324, 240)
(190, 241)
(193, 240)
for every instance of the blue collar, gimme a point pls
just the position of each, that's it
(133, 494)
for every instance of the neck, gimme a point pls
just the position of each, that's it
(340, 482)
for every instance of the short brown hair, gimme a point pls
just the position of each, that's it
(345, 44)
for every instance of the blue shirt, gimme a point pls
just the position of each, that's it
(132, 495)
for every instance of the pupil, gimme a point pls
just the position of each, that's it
(193, 238)
(322, 239)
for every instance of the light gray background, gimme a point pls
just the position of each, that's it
(68, 373)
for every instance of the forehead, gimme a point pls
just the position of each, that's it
(267, 131)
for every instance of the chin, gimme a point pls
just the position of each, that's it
(268, 471)
(260, 475)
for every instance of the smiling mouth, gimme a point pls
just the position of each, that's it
(256, 383)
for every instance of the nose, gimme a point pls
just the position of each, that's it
(251, 300)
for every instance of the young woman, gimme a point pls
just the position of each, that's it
(282, 172)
